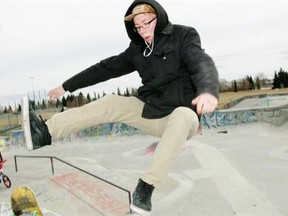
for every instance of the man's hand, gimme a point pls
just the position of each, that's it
(205, 103)
(56, 92)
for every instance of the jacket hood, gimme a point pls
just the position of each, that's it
(162, 20)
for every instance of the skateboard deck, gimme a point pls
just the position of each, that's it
(26, 122)
(23, 202)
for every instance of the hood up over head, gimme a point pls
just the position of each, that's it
(162, 19)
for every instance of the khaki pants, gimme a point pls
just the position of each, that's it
(173, 129)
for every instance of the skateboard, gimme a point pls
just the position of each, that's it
(24, 203)
(26, 122)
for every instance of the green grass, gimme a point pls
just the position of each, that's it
(226, 97)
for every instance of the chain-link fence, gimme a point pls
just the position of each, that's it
(9, 121)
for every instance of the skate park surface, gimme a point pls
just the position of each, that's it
(228, 170)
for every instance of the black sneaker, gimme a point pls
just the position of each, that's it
(35, 130)
(141, 198)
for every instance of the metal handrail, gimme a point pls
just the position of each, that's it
(69, 164)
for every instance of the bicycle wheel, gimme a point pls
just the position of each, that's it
(6, 181)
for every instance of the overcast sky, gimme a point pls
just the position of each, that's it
(43, 43)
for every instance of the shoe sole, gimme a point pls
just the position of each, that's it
(26, 123)
(139, 211)
(23, 198)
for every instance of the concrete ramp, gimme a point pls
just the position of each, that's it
(74, 193)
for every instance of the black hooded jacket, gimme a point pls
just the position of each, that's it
(175, 73)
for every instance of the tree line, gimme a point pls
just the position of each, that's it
(76, 101)
(70, 101)
(280, 80)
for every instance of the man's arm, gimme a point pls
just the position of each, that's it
(203, 73)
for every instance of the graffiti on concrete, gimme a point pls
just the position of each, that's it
(112, 129)
(221, 118)
(276, 116)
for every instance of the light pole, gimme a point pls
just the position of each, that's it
(32, 79)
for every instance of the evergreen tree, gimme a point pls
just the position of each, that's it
(58, 103)
(250, 82)
(258, 83)
(103, 94)
(134, 92)
(71, 102)
(126, 93)
(95, 97)
(88, 98)
(283, 78)
(64, 102)
(43, 104)
(276, 81)
(38, 105)
(118, 91)
(235, 87)
(33, 104)
(19, 109)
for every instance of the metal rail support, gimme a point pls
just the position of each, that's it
(71, 165)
